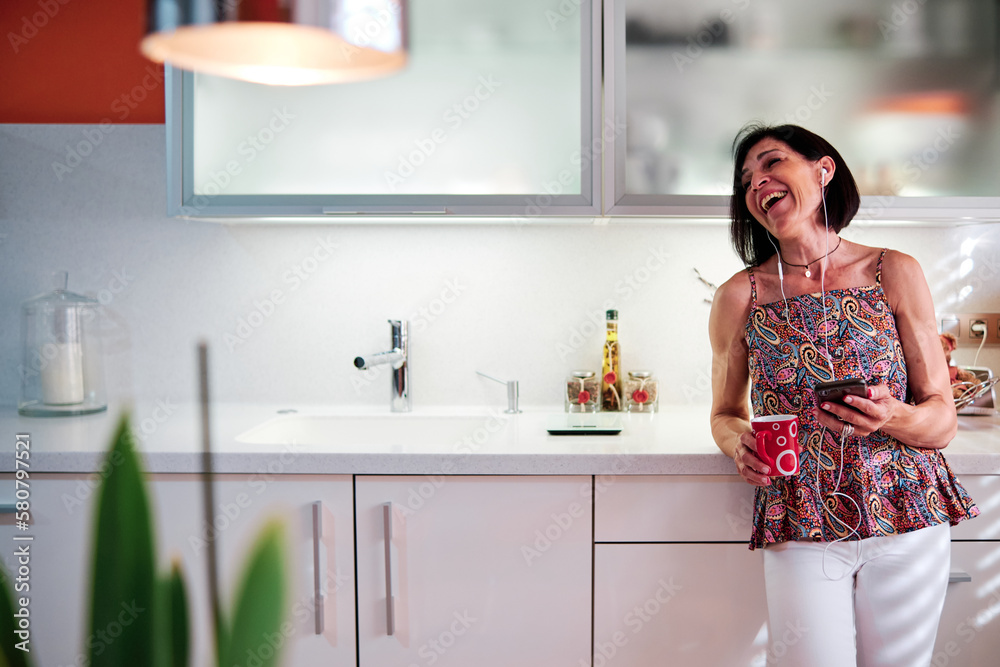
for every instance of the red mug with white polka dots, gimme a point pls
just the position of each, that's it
(778, 443)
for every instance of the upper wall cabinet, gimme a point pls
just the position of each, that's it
(909, 92)
(498, 112)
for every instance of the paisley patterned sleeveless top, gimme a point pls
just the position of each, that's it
(895, 488)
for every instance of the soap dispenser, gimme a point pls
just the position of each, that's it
(61, 371)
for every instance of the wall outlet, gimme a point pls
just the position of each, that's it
(961, 326)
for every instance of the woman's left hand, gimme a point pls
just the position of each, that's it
(864, 415)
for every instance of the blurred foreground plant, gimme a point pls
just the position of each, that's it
(150, 610)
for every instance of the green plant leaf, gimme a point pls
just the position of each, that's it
(124, 566)
(256, 634)
(173, 637)
(10, 655)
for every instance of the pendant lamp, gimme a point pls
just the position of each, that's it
(279, 42)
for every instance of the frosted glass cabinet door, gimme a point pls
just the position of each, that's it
(679, 604)
(484, 571)
(908, 97)
(497, 112)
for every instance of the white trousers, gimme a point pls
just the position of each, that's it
(879, 610)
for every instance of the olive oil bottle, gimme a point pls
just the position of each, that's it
(611, 370)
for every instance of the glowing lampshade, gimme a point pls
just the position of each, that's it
(279, 42)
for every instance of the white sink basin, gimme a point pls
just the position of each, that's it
(389, 429)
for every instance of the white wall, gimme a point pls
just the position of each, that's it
(511, 300)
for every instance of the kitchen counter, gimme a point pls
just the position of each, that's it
(675, 441)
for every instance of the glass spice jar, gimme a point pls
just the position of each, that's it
(640, 392)
(583, 392)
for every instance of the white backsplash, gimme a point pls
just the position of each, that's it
(287, 308)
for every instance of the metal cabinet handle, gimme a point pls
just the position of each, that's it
(958, 576)
(318, 598)
(390, 601)
(7, 508)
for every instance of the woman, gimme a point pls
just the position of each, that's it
(857, 544)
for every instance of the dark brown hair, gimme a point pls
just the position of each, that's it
(749, 238)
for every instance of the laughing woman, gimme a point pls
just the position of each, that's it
(857, 543)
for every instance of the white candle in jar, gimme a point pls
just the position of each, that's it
(62, 373)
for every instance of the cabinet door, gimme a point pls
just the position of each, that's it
(967, 634)
(497, 112)
(482, 571)
(678, 604)
(312, 634)
(59, 555)
(61, 561)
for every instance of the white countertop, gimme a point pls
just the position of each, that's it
(675, 441)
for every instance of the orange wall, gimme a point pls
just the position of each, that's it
(76, 61)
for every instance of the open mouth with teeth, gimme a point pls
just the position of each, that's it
(771, 199)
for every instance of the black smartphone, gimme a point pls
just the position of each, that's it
(834, 392)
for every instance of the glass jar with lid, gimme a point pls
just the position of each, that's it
(61, 370)
(583, 392)
(640, 392)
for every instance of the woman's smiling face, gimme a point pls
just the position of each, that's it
(780, 185)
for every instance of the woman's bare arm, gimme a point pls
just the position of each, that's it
(931, 421)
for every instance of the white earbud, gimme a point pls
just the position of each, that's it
(824, 172)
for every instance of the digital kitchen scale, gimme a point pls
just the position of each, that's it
(585, 424)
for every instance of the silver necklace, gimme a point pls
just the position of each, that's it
(806, 266)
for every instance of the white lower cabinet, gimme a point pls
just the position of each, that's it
(61, 556)
(969, 631)
(678, 604)
(59, 563)
(674, 581)
(484, 571)
(312, 634)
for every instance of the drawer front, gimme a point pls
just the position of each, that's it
(673, 508)
(985, 490)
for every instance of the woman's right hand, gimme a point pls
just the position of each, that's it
(751, 468)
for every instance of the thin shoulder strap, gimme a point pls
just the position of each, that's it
(878, 267)
(753, 287)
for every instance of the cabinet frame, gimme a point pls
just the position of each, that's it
(874, 209)
(183, 202)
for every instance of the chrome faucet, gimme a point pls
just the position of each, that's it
(398, 358)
